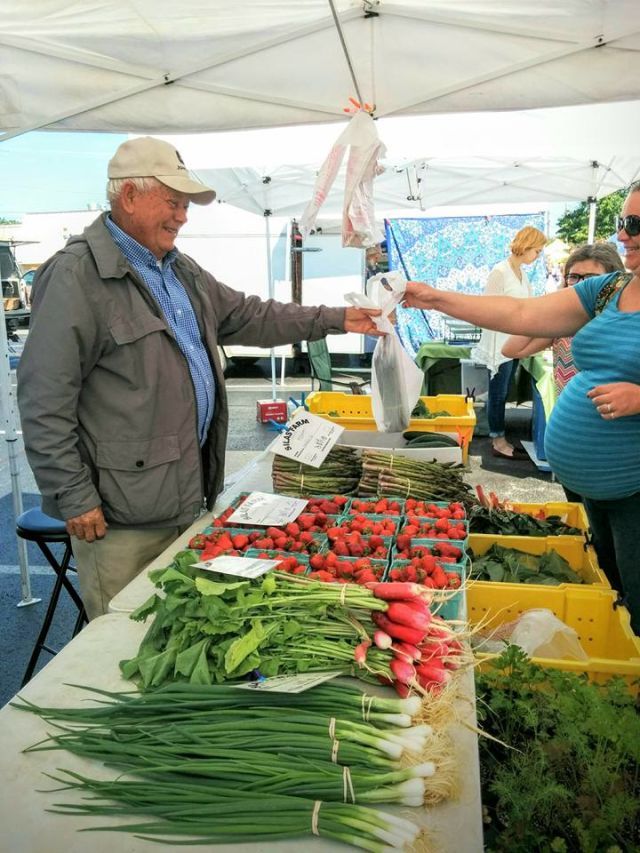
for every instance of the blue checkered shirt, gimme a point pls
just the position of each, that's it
(179, 314)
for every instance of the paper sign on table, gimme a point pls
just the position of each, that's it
(291, 683)
(268, 509)
(307, 439)
(242, 567)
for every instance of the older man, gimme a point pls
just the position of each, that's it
(120, 389)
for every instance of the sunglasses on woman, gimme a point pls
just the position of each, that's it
(631, 224)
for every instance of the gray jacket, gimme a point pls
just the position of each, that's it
(105, 395)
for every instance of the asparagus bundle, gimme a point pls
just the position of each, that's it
(338, 474)
(391, 474)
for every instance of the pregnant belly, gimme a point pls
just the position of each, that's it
(589, 454)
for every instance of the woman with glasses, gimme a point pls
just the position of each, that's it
(507, 278)
(592, 439)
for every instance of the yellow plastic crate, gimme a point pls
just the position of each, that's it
(354, 411)
(571, 513)
(605, 633)
(581, 558)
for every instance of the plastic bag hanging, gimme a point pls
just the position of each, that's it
(358, 216)
(396, 381)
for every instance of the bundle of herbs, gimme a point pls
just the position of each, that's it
(508, 565)
(386, 473)
(505, 522)
(338, 474)
(561, 771)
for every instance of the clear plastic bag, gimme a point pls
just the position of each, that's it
(396, 381)
(539, 633)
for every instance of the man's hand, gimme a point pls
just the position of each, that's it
(359, 320)
(88, 526)
(616, 399)
(418, 295)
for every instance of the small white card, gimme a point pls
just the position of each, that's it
(307, 439)
(242, 567)
(291, 683)
(265, 508)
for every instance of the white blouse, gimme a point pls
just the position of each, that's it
(502, 281)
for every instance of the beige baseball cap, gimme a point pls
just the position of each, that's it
(147, 157)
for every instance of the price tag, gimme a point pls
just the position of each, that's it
(307, 439)
(242, 567)
(291, 683)
(263, 508)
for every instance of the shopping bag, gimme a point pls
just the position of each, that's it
(396, 381)
(358, 217)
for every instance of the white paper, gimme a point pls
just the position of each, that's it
(291, 683)
(264, 508)
(307, 439)
(242, 567)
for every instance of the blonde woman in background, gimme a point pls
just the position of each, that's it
(508, 278)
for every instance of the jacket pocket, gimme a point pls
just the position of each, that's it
(126, 330)
(138, 480)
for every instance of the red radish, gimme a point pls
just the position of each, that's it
(432, 672)
(406, 651)
(405, 615)
(360, 652)
(382, 640)
(404, 672)
(398, 632)
(403, 690)
(396, 591)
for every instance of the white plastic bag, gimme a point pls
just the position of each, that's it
(540, 634)
(396, 381)
(358, 217)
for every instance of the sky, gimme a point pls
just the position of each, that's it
(43, 172)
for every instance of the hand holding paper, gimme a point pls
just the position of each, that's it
(360, 320)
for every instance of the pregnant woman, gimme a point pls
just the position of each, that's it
(593, 436)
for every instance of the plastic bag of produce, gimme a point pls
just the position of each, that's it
(540, 634)
(396, 381)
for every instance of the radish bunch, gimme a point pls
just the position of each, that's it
(424, 648)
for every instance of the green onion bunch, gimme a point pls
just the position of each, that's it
(195, 755)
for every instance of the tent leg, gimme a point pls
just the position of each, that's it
(25, 581)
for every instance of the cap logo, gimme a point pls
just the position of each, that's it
(180, 161)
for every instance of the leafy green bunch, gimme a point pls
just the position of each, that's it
(564, 772)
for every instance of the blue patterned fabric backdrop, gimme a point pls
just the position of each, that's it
(452, 253)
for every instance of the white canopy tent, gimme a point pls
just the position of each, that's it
(158, 66)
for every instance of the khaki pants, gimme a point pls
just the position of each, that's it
(107, 565)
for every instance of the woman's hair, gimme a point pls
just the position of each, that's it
(605, 254)
(527, 238)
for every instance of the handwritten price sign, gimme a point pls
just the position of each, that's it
(307, 439)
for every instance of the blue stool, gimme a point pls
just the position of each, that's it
(37, 527)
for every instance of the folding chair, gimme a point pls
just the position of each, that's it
(324, 373)
(34, 526)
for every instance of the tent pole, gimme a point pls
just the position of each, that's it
(10, 417)
(591, 230)
(267, 214)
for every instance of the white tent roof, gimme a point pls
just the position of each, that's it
(156, 66)
(534, 156)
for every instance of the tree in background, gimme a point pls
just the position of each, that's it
(573, 227)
